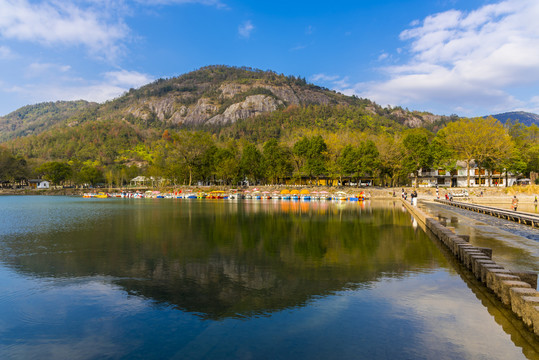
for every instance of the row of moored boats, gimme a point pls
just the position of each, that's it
(296, 195)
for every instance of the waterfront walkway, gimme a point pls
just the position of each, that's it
(517, 216)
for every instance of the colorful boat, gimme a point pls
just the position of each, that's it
(199, 195)
(217, 194)
(235, 194)
(285, 194)
(340, 196)
(324, 195)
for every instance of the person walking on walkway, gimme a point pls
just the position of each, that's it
(413, 199)
(514, 203)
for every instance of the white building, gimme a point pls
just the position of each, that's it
(39, 184)
(459, 177)
(148, 181)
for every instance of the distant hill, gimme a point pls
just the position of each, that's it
(222, 95)
(35, 119)
(522, 117)
(229, 102)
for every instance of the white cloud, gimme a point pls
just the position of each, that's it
(468, 60)
(50, 87)
(383, 56)
(99, 92)
(245, 29)
(127, 78)
(97, 25)
(52, 23)
(5, 53)
(533, 105)
(113, 84)
(216, 3)
(40, 69)
(334, 81)
(324, 77)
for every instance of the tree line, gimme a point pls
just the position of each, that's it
(187, 157)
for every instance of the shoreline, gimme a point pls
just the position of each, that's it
(498, 197)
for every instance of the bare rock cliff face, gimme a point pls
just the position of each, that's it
(252, 106)
(285, 93)
(229, 90)
(420, 121)
(414, 120)
(208, 110)
(200, 113)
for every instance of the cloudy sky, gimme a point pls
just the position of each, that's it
(465, 57)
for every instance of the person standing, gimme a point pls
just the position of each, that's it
(514, 203)
(535, 203)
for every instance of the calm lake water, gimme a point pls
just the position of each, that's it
(202, 279)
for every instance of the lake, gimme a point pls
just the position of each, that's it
(219, 279)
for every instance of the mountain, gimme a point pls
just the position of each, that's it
(222, 95)
(228, 102)
(34, 119)
(213, 95)
(522, 117)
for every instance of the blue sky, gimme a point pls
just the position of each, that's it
(465, 57)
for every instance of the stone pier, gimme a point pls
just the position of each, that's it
(516, 290)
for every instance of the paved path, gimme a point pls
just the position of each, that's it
(517, 216)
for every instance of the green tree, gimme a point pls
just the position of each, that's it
(312, 155)
(277, 162)
(369, 159)
(317, 158)
(300, 151)
(417, 151)
(526, 140)
(477, 139)
(363, 160)
(190, 149)
(90, 175)
(227, 164)
(251, 163)
(348, 163)
(12, 168)
(391, 153)
(54, 171)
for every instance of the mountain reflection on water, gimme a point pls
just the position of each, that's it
(221, 259)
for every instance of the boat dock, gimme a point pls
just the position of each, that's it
(517, 216)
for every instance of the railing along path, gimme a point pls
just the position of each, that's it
(517, 216)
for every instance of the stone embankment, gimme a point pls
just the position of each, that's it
(516, 290)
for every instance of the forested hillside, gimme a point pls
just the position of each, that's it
(223, 124)
(35, 119)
